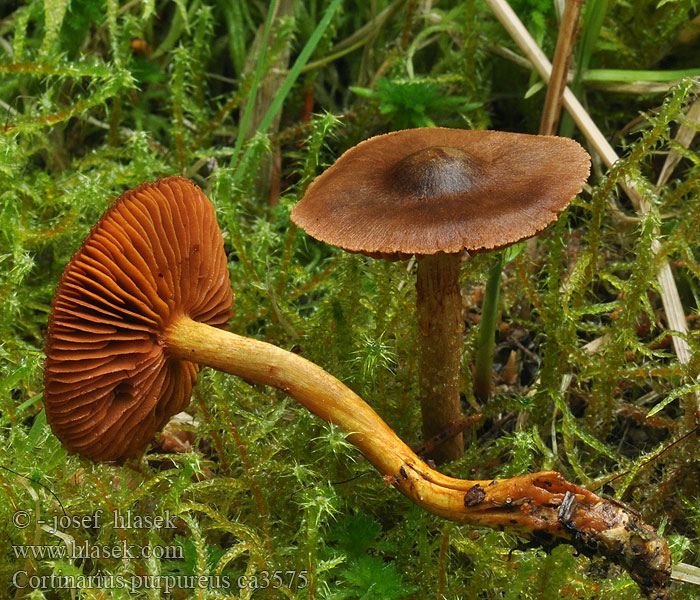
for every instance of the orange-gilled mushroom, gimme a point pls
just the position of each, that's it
(434, 193)
(154, 257)
(139, 306)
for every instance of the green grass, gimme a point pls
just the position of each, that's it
(266, 488)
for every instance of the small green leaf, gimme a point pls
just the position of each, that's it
(534, 89)
(511, 252)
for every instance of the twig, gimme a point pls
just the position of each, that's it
(562, 56)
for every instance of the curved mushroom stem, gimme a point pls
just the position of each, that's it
(541, 504)
(441, 327)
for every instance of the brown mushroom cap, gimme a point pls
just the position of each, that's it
(157, 253)
(421, 191)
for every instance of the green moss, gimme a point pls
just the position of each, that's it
(261, 486)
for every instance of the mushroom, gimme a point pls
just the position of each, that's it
(141, 305)
(155, 256)
(434, 193)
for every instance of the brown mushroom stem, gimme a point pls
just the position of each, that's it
(441, 328)
(540, 504)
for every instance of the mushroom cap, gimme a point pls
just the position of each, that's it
(157, 253)
(432, 189)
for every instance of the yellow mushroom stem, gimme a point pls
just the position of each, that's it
(542, 504)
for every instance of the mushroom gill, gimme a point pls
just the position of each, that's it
(156, 254)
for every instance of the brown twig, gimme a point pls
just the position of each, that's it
(560, 67)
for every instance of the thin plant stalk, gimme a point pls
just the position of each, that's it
(634, 75)
(487, 331)
(560, 67)
(592, 25)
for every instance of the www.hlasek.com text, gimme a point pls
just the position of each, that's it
(86, 550)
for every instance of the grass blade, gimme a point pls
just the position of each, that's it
(289, 81)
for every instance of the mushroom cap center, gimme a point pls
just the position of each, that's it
(437, 171)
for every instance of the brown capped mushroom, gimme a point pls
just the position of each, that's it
(141, 304)
(434, 193)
